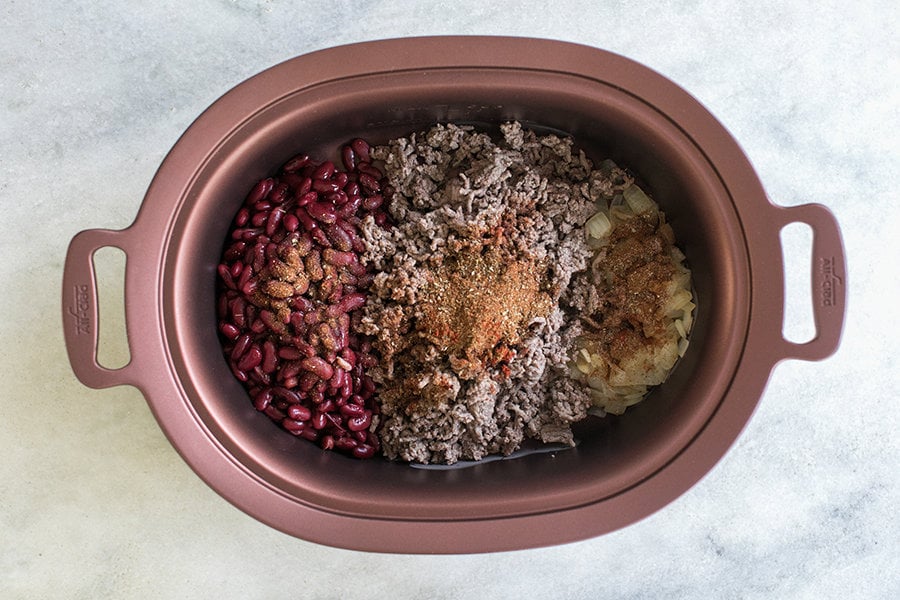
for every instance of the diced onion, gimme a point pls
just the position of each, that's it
(598, 226)
(637, 200)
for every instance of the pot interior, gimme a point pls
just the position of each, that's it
(614, 453)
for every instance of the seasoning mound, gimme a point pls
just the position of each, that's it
(470, 312)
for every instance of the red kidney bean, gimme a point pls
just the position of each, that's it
(363, 451)
(291, 222)
(262, 399)
(324, 186)
(309, 224)
(241, 345)
(260, 190)
(350, 208)
(278, 193)
(319, 420)
(338, 258)
(352, 410)
(250, 359)
(273, 413)
(310, 434)
(235, 251)
(337, 198)
(317, 365)
(361, 148)
(274, 220)
(359, 422)
(348, 158)
(321, 211)
(345, 443)
(293, 425)
(320, 238)
(270, 357)
(337, 380)
(229, 331)
(259, 218)
(296, 163)
(225, 275)
(351, 302)
(369, 184)
(324, 170)
(339, 237)
(306, 198)
(373, 202)
(299, 412)
(306, 357)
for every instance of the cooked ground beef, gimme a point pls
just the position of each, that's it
(473, 311)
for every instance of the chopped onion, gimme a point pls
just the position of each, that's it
(598, 226)
(637, 200)
(583, 361)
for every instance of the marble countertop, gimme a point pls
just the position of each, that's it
(95, 503)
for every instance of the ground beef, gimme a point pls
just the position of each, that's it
(459, 194)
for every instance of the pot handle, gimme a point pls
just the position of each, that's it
(80, 312)
(829, 281)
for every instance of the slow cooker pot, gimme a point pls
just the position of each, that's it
(623, 468)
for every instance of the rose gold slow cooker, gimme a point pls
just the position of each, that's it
(624, 468)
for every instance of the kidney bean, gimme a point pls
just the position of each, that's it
(317, 365)
(241, 345)
(339, 237)
(250, 359)
(306, 198)
(229, 331)
(338, 258)
(243, 215)
(360, 148)
(304, 221)
(324, 170)
(293, 425)
(351, 302)
(348, 158)
(373, 202)
(225, 275)
(298, 412)
(352, 410)
(270, 357)
(296, 163)
(363, 451)
(326, 186)
(291, 222)
(260, 190)
(369, 184)
(274, 220)
(321, 211)
(337, 198)
(359, 422)
(278, 193)
(310, 434)
(345, 443)
(273, 413)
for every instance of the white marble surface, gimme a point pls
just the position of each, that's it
(94, 502)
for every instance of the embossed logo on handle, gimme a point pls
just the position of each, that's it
(81, 309)
(830, 281)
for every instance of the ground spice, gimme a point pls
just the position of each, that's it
(639, 266)
(478, 304)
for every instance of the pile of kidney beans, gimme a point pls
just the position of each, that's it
(290, 281)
